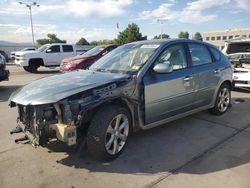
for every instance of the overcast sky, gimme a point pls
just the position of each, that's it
(96, 19)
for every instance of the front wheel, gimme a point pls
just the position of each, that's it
(223, 100)
(31, 68)
(108, 132)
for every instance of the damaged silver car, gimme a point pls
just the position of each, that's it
(135, 87)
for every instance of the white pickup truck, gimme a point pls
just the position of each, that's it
(48, 55)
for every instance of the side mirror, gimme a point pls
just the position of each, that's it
(48, 51)
(163, 68)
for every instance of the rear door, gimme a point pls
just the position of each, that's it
(172, 93)
(68, 51)
(207, 68)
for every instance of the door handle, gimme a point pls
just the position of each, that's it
(216, 71)
(187, 78)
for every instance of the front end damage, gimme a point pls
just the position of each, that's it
(61, 106)
(68, 119)
(44, 122)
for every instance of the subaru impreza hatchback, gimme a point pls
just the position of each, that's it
(135, 87)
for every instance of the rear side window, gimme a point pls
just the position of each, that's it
(215, 53)
(54, 49)
(67, 48)
(199, 54)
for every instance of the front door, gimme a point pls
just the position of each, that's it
(53, 56)
(172, 93)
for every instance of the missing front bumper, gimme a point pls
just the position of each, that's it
(28, 135)
(64, 133)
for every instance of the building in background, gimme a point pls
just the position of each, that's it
(218, 38)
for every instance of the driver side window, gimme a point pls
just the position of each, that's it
(175, 56)
(54, 49)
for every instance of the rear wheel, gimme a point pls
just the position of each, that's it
(108, 132)
(31, 68)
(223, 100)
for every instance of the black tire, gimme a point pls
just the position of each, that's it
(31, 68)
(98, 132)
(27, 69)
(220, 110)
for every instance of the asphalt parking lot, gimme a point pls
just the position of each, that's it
(197, 151)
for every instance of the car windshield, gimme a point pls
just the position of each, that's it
(43, 47)
(94, 51)
(125, 59)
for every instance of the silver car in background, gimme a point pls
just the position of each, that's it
(135, 87)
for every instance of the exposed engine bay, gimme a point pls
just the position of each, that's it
(49, 121)
(66, 119)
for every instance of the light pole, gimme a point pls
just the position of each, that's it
(162, 21)
(29, 5)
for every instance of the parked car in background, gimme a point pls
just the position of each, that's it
(48, 55)
(81, 49)
(238, 52)
(12, 54)
(137, 86)
(4, 73)
(85, 59)
(5, 55)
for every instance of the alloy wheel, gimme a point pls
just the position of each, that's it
(224, 100)
(116, 134)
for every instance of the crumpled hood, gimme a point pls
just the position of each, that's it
(54, 88)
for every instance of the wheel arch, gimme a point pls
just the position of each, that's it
(228, 82)
(36, 61)
(128, 105)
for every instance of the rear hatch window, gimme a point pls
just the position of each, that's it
(238, 47)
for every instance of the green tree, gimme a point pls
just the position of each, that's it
(51, 38)
(164, 36)
(197, 36)
(103, 42)
(183, 35)
(130, 34)
(82, 41)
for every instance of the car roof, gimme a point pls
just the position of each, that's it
(165, 41)
(58, 44)
(108, 45)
